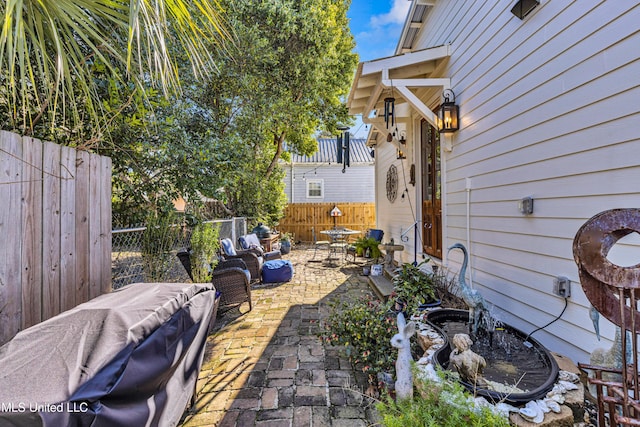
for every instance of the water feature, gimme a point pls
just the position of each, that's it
(517, 371)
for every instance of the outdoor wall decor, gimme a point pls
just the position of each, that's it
(392, 183)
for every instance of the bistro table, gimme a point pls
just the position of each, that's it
(339, 238)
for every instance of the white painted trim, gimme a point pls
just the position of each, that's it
(405, 59)
(315, 181)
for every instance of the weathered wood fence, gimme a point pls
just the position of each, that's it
(55, 225)
(303, 218)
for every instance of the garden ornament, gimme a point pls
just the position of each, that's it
(467, 363)
(471, 297)
(402, 341)
(606, 284)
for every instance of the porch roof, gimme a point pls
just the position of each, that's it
(408, 77)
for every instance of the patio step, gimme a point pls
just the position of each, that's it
(381, 285)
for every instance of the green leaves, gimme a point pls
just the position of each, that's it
(47, 49)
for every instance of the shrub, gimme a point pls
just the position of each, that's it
(364, 327)
(443, 404)
(204, 246)
(413, 286)
(158, 241)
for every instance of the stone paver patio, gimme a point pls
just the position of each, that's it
(267, 367)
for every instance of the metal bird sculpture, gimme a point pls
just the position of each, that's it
(595, 318)
(471, 297)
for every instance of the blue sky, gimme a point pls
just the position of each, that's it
(376, 26)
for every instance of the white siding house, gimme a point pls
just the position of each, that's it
(549, 109)
(319, 178)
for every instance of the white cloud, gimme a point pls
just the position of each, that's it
(396, 15)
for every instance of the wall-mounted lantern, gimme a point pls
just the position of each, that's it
(449, 113)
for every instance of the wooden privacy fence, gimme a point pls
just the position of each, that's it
(56, 230)
(301, 218)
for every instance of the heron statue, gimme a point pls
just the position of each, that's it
(471, 297)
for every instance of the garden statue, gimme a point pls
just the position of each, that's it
(467, 363)
(401, 341)
(471, 297)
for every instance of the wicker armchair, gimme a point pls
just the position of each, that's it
(251, 257)
(230, 277)
(251, 241)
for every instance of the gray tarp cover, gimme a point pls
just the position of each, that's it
(127, 358)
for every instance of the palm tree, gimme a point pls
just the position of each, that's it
(48, 48)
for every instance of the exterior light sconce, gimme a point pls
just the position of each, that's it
(403, 138)
(448, 116)
(524, 7)
(400, 155)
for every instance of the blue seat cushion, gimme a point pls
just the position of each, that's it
(228, 247)
(250, 241)
(277, 270)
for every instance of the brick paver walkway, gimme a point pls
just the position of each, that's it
(267, 367)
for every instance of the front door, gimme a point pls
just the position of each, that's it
(431, 190)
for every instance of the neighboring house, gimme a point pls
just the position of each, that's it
(319, 178)
(548, 109)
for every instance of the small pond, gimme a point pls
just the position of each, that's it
(510, 361)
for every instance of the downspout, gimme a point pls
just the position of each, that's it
(468, 226)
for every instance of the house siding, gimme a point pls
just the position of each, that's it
(548, 109)
(355, 185)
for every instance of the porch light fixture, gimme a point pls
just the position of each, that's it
(449, 113)
(524, 7)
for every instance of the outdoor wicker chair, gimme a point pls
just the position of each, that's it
(251, 258)
(251, 241)
(232, 279)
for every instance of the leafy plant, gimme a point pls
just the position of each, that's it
(204, 246)
(158, 240)
(442, 404)
(364, 243)
(364, 328)
(413, 286)
(286, 237)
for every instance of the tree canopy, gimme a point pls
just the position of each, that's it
(48, 49)
(282, 77)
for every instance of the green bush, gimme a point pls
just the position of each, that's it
(204, 247)
(444, 404)
(158, 241)
(413, 286)
(364, 328)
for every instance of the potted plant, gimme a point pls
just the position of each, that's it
(368, 247)
(413, 287)
(286, 242)
(204, 247)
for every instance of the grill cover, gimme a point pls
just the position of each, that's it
(127, 358)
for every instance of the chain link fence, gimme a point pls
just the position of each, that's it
(126, 257)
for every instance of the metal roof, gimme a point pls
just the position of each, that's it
(359, 152)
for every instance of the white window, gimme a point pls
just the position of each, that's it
(315, 188)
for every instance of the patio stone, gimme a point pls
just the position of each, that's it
(268, 368)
